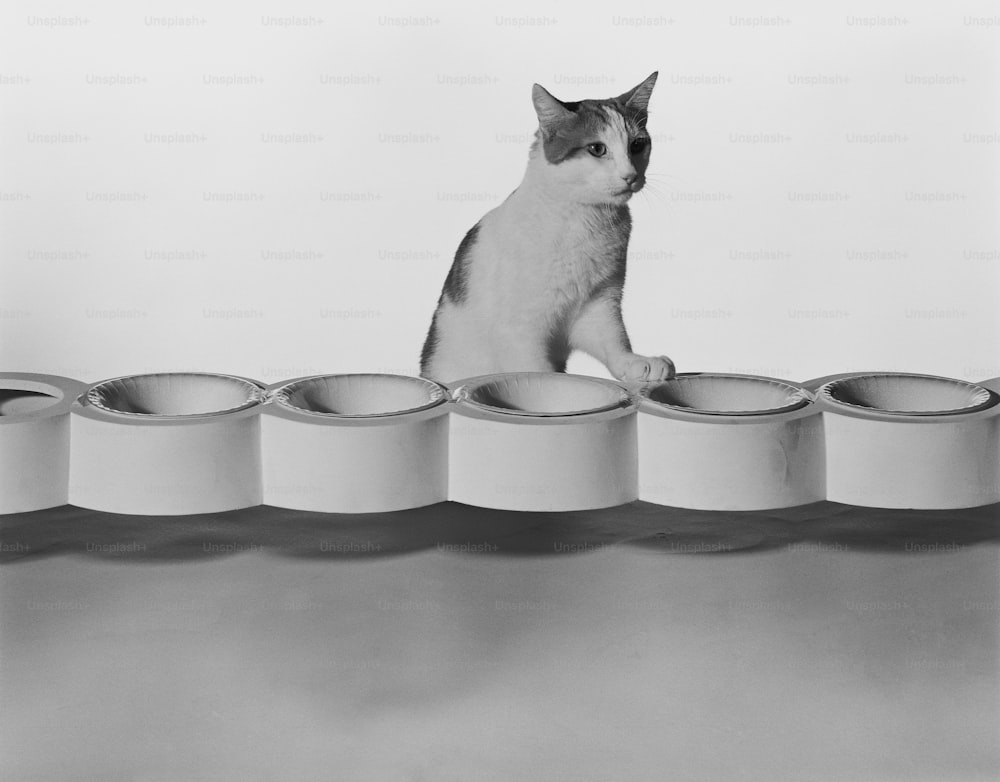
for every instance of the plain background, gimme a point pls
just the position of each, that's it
(277, 190)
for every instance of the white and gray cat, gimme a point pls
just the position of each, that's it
(542, 274)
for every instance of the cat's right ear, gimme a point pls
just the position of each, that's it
(550, 110)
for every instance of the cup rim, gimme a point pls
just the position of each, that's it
(798, 396)
(980, 397)
(436, 395)
(618, 397)
(254, 395)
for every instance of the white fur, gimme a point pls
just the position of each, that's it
(537, 273)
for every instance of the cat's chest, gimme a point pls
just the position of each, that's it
(578, 247)
(580, 258)
(569, 258)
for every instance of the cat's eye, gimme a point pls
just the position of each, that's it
(597, 150)
(638, 145)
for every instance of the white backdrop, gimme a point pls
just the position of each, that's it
(277, 189)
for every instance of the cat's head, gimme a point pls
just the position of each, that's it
(594, 151)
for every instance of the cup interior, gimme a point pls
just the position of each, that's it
(544, 394)
(720, 394)
(907, 394)
(174, 394)
(360, 395)
(24, 401)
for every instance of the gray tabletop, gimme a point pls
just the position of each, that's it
(450, 642)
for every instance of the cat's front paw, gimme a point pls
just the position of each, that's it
(643, 369)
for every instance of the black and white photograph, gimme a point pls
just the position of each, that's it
(541, 391)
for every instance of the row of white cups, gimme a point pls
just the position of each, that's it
(185, 443)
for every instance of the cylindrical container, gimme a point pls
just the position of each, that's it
(359, 443)
(35, 440)
(716, 441)
(541, 441)
(167, 443)
(896, 440)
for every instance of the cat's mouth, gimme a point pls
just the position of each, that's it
(629, 190)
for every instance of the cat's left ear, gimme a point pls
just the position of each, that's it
(638, 97)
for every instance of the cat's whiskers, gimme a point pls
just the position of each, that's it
(667, 180)
(659, 187)
(651, 197)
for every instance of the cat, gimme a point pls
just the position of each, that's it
(542, 274)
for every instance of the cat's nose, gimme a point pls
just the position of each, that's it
(630, 178)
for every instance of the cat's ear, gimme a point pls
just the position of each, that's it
(638, 97)
(550, 110)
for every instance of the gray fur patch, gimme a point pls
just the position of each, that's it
(457, 281)
(430, 346)
(569, 136)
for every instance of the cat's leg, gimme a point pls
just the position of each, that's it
(600, 331)
(461, 345)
